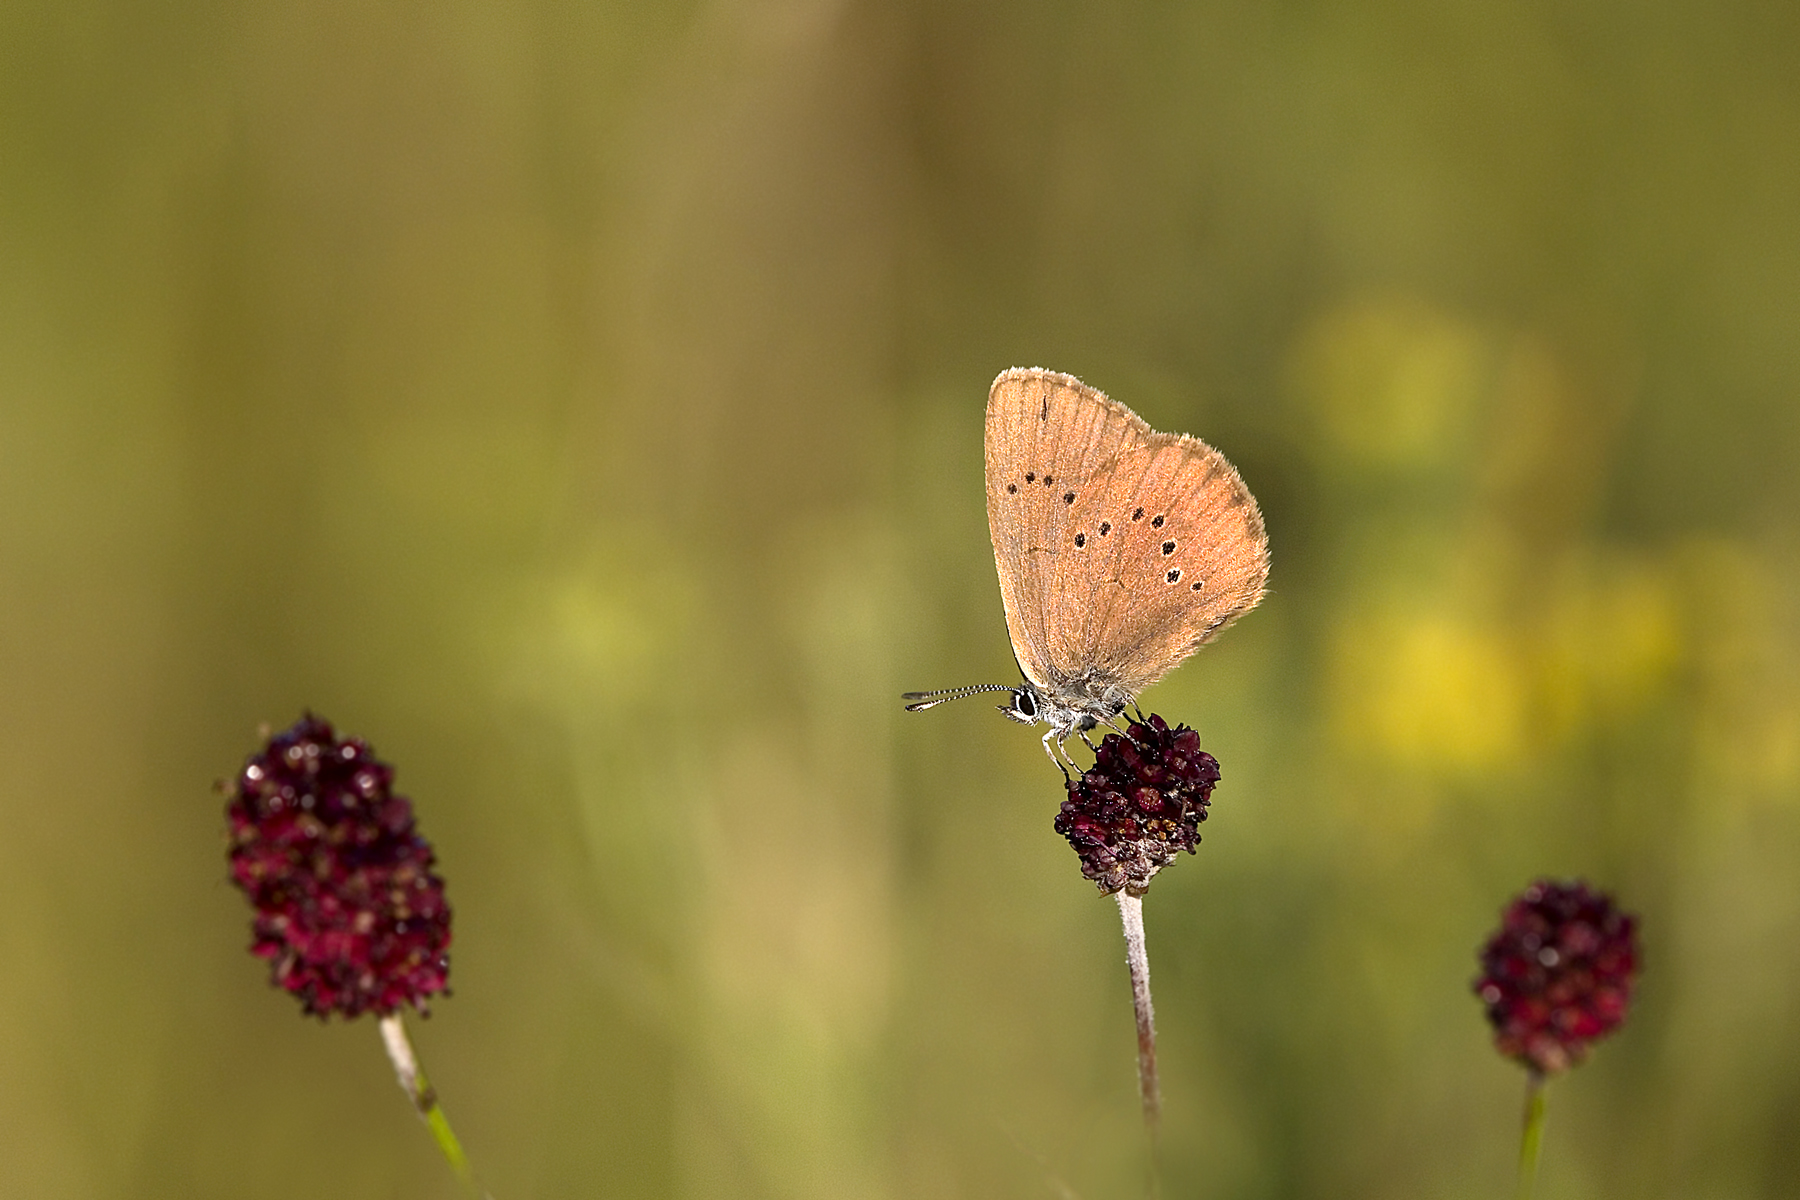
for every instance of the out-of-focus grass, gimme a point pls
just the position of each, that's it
(584, 405)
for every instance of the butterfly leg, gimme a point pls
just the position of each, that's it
(1052, 753)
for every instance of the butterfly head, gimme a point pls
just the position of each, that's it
(1029, 706)
(1024, 706)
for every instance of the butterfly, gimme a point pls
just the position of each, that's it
(1120, 551)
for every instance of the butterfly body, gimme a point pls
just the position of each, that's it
(1120, 550)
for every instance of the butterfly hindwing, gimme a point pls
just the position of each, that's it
(1193, 557)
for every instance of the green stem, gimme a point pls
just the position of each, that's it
(1533, 1137)
(418, 1089)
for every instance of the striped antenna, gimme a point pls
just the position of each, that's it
(920, 701)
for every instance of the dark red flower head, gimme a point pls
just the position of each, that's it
(348, 911)
(1557, 975)
(1139, 805)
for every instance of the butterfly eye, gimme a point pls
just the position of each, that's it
(1025, 704)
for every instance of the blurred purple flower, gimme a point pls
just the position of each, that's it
(1139, 805)
(1557, 974)
(348, 911)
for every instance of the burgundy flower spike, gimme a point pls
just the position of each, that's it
(1557, 975)
(1139, 805)
(348, 911)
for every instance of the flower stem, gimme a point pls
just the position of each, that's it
(1534, 1134)
(1131, 913)
(418, 1089)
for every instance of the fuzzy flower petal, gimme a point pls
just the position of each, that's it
(1139, 805)
(347, 909)
(1558, 973)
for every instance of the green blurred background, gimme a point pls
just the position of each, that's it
(583, 403)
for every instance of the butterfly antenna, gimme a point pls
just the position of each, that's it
(920, 701)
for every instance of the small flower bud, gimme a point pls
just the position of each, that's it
(1139, 805)
(347, 909)
(1557, 974)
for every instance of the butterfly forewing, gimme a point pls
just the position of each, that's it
(1101, 529)
(1046, 439)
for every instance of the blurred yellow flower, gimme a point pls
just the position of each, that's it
(1429, 690)
(1439, 689)
(1611, 638)
(1748, 721)
(1392, 380)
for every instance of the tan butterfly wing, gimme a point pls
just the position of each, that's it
(1120, 550)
